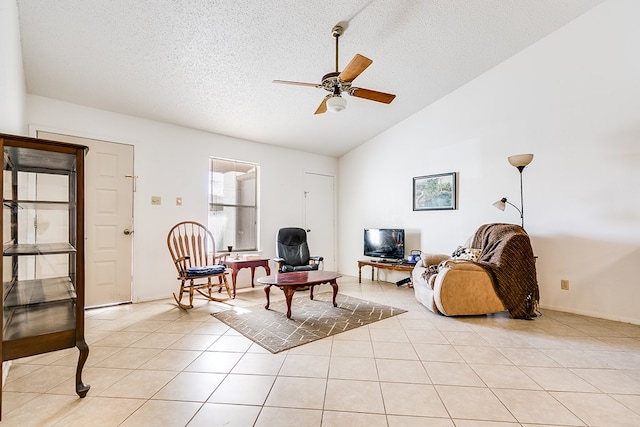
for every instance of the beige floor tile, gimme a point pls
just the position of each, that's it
(128, 358)
(214, 361)
(354, 396)
(19, 370)
(609, 380)
(402, 371)
(171, 360)
(598, 409)
(190, 386)
(558, 379)
(322, 347)
(630, 401)
(528, 357)
(473, 403)
(101, 412)
(166, 413)
(530, 406)
(478, 423)
(353, 368)
(98, 378)
(51, 408)
(259, 363)
(219, 415)
(352, 348)
(481, 355)
(394, 350)
(158, 340)
(296, 392)
(42, 380)
(352, 419)
(139, 384)
(289, 417)
(302, 365)
(452, 374)
(437, 353)
(412, 399)
(231, 343)
(389, 335)
(465, 338)
(406, 421)
(179, 327)
(211, 328)
(357, 334)
(121, 339)
(426, 336)
(12, 400)
(194, 342)
(243, 389)
(146, 325)
(505, 376)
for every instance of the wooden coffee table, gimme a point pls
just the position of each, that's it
(290, 282)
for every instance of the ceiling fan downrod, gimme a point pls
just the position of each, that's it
(336, 32)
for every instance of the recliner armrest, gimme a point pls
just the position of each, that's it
(316, 258)
(278, 260)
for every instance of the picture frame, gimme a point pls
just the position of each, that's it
(435, 192)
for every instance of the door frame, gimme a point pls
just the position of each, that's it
(334, 213)
(33, 132)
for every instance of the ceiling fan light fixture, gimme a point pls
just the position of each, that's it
(336, 103)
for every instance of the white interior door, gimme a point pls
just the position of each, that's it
(319, 211)
(109, 190)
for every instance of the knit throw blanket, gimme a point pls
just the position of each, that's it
(508, 257)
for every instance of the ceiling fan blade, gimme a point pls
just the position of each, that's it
(371, 95)
(322, 108)
(353, 69)
(287, 82)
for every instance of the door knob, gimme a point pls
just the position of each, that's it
(127, 232)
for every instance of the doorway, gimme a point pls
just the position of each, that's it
(109, 219)
(319, 217)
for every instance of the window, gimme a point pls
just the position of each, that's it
(233, 207)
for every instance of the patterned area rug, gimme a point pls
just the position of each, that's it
(310, 320)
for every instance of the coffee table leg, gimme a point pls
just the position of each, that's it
(267, 288)
(311, 292)
(334, 285)
(288, 294)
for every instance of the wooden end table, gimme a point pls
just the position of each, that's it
(238, 264)
(290, 282)
(397, 266)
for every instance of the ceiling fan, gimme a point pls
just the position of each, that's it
(340, 82)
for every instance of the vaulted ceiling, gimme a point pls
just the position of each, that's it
(209, 64)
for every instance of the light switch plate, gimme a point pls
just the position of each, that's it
(156, 200)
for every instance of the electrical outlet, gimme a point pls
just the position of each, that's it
(156, 200)
(564, 284)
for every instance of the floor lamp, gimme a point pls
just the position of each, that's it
(520, 161)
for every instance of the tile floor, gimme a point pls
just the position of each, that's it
(153, 364)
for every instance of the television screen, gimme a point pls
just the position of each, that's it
(384, 243)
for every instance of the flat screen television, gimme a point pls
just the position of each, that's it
(387, 243)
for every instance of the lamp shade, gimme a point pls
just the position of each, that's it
(520, 160)
(336, 103)
(501, 204)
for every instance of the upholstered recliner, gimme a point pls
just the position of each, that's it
(292, 251)
(502, 278)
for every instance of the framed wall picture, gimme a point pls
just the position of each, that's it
(434, 192)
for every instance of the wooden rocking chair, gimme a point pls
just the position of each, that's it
(193, 250)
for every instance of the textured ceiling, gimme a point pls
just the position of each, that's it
(209, 64)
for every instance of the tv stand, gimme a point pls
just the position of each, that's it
(396, 266)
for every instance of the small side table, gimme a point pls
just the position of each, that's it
(238, 264)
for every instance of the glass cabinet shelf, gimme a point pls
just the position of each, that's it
(26, 292)
(37, 249)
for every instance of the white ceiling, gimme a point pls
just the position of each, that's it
(209, 64)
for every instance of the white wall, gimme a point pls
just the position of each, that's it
(12, 86)
(572, 99)
(172, 162)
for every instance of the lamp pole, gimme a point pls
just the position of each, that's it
(520, 169)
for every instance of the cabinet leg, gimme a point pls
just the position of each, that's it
(81, 388)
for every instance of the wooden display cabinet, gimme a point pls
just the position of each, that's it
(43, 250)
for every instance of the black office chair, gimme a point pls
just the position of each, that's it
(292, 251)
